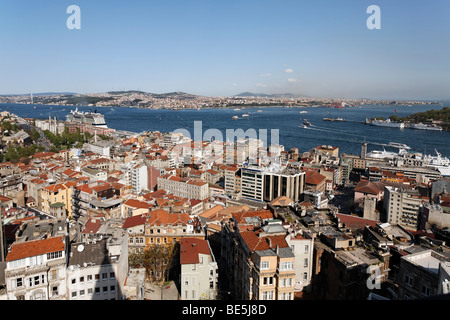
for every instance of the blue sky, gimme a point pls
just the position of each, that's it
(316, 48)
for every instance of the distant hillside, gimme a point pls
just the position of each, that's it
(428, 117)
(276, 95)
(40, 94)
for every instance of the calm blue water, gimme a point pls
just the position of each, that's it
(348, 136)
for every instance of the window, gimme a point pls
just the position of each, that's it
(306, 262)
(287, 265)
(81, 279)
(305, 276)
(19, 282)
(90, 291)
(54, 255)
(267, 295)
(287, 282)
(105, 289)
(112, 275)
(54, 291)
(306, 248)
(105, 276)
(74, 295)
(54, 275)
(89, 278)
(82, 292)
(112, 288)
(97, 290)
(97, 276)
(74, 281)
(425, 290)
(408, 281)
(264, 265)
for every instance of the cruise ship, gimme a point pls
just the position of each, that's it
(422, 126)
(92, 118)
(386, 123)
(438, 162)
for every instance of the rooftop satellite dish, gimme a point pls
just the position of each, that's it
(80, 248)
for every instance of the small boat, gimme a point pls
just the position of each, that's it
(259, 111)
(235, 117)
(306, 122)
(245, 115)
(399, 145)
(303, 111)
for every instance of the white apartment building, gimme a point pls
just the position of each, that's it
(184, 187)
(402, 207)
(101, 147)
(36, 270)
(198, 270)
(252, 183)
(94, 173)
(231, 180)
(97, 269)
(302, 246)
(127, 169)
(139, 179)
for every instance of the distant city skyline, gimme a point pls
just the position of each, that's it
(317, 49)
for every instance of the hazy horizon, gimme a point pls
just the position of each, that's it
(321, 49)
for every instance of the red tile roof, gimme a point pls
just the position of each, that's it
(35, 248)
(134, 221)
(190, 248)
(137, 204)
(263, 214)
(92, 226)
(313, 177)
(366, 186)
(257, 243)
(353, 222)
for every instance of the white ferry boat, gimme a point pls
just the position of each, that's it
(387, 123)
(422, 126)
(92, 118)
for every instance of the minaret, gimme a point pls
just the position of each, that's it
(31, 98)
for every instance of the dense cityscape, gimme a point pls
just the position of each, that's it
(225, 158)
(181, 100)
(93, 213)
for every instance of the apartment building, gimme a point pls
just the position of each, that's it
(97, 269)
(139, 178)
(36, 270)
(420, 274)
(256, 260)
(252, 183)
(402, 207)
(57, 193)
(199, 270)
(184, 187)
(232, 180)
(302, 245)
(163, 227)
(270, 263)
(287, 182)
(135, 227)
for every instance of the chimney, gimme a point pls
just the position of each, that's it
(269, 241)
